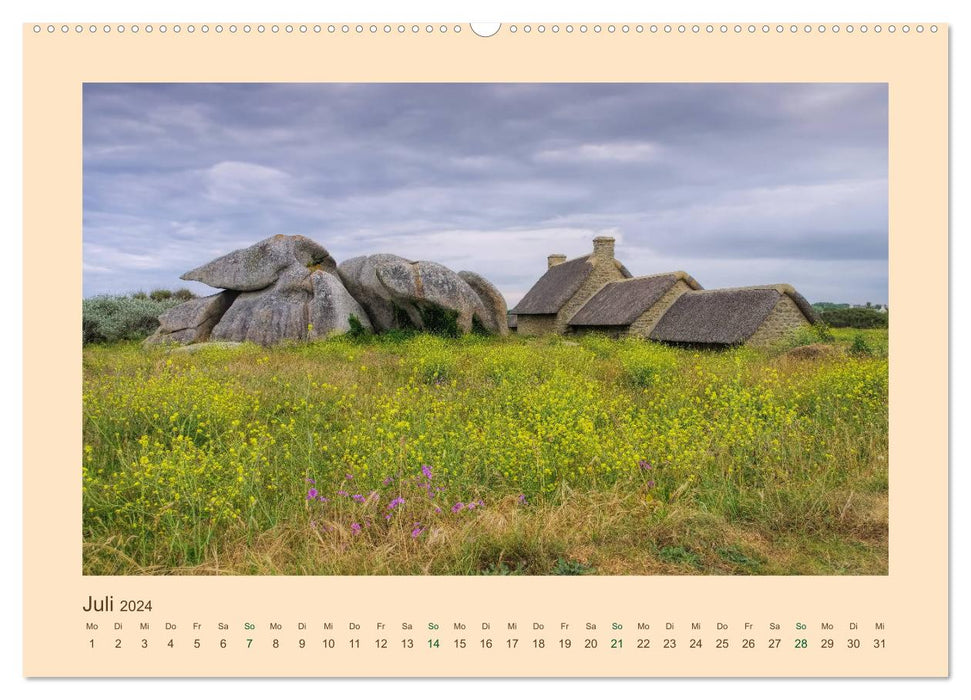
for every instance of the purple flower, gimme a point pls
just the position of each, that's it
(323, 500)
(311, 494)
(522, 499)
(644, 465)
(395, 502)
(359, 498)
(650, 484)
(342, 493)
(356, 528)
(388, 480)
(427, 471)
(417, 530)
(437, 509)
(457, 507)
(310, 481)
(349, 477)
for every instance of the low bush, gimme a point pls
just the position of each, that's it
(819, 332)
(860, 346)
(357, 330)
(855, 318)
(110, 318)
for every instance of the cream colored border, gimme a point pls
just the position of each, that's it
(911, 601)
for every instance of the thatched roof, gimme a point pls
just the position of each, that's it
(723, 316)
(558, 285)
(620, 303)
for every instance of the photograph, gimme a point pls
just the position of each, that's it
(485, 329)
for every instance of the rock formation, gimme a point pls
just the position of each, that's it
(290, 288)
(270, 315)
(400, 293)
(360, 278)
(260, 265)
(193, 321)
(494, 318)
(332, 306)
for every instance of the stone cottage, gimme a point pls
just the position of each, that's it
(596, 293)
(565, 287)
(632, 307)
(756, 316)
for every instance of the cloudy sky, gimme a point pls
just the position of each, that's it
(737, 184)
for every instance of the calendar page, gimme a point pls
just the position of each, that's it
(468, 350)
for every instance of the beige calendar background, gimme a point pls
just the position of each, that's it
(911, 602)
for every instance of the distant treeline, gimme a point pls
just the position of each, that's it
(846, 316)
(108, 318)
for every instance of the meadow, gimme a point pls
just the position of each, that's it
(415, 454)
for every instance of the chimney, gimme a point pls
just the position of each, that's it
(555, 259)
(603, 248)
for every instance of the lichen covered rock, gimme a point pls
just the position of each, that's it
(494, 314)
(270, 315)
(193, 321)
(332, 306)
(289, 288)
(260, 265)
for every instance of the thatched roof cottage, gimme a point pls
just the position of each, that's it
(755, 316)
(567, 285)
(632, 306)
(597, 293)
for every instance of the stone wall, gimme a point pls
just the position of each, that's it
(644, 324)
(538, 324)
(604, 271)
(783, 320)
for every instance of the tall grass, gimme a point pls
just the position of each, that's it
(418, 454)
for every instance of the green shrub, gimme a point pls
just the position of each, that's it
(823, 332)
(179, 295)
(569, 567)
(860, 346)
(357, 328)
(819, 332)
(443, 322)
(108, 319)
(855, 318)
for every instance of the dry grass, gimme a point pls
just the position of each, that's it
(604, 534)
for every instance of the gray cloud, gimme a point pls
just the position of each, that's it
(736, 183)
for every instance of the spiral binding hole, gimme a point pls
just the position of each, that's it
(512, 29)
